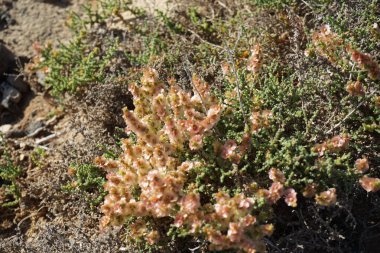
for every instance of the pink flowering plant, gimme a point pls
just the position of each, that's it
(214, 162)
(255, 126)
(175, 165)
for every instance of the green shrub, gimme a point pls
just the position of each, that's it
(279, 132)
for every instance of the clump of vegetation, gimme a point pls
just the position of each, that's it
(9, 175)
(38, 156)
(191, 160)
(85, 63)
(87, 178)
(238, 118)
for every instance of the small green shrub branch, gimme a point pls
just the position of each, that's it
(87, 178)
(9, 176)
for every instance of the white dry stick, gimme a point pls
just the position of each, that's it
(48, 138)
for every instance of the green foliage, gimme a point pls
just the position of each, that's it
(37, 157)
(87, 178)
(75, 65)
(9, 175)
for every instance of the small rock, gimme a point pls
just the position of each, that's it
(33, 128)
(22, 157)
(41, 77)
(9, 95)
(18, 83)
(5, 128)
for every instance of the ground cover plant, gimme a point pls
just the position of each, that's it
(9, 175)
(254, 125)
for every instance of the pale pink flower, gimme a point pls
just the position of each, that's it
(150, 76)
(188, 165)
(276, 175)
(222, 210)
(370, 184)
(152, 237)
(213, 116)
(339, 142)
(260, 119)
(235, 232)
(362, 165)
(246, 203)
(290, 197)
(254, 62)
(190, 203)
(275, 192)
(310, 190)
(355, 89)
(194, 127)
(228, 149)
(247, 220)
(215, 237)
(159, 105)
(326, 198)
(196, 142)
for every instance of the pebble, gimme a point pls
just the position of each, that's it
(40, 77)
(5, 128)
(22, 157)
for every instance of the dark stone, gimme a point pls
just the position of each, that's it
(6, 59)
(10, 95)
(18, 83)
(15, 134)
(6, 20)
(8, 117)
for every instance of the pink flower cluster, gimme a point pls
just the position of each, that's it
(326, 198)
(370, 184)
(366, 63)
(254, 61)
(260, 120)
(226, 224)
(139, 229)
(329, 45)
(234, 152)
(163, 122)
(150, 180)
(229, 222)
(333, 145)
(277, 189)
(355, 88)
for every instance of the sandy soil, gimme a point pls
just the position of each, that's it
(37, 21)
